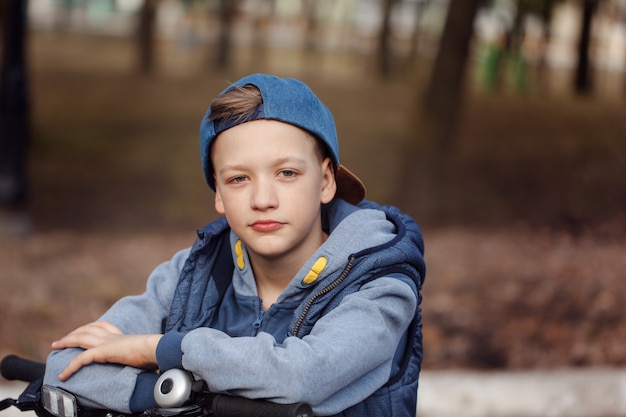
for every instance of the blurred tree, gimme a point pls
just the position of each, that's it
(14, 105)
(145, 36)
(583, 81)
(544, 10)
(621, 7)
(263, 16)
(444, 92)
(309, 9)
(227, 11)
(420, 7)
(426, 164)
(384, 38)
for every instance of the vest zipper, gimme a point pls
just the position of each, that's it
(323, 291)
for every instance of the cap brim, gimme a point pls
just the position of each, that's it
(349, 187)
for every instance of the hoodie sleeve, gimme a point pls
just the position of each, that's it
(346, 357)
(143, 314)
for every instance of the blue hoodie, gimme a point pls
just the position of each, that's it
(344, 336)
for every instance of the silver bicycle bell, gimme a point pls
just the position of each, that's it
(173, 388)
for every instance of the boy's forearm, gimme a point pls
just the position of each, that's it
(102, 386)
(347, 349)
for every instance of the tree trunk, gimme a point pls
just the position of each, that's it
(145, 37)
(542, 64)
(227, 16)
(420, 7)
(583, 82)
(513, 50)
(14, 106)
(426, 175)
(445, 91)
(384, 39)
(310, 17)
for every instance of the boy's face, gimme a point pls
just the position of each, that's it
(270, 183)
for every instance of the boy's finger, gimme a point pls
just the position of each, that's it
(84, 340)
(78, 362)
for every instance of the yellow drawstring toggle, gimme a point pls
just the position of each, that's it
(239, 253)
(316, 270)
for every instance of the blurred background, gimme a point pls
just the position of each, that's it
(499, 125)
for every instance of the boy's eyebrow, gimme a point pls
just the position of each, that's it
(288, 159)
(233, 167)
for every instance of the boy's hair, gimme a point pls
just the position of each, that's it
(236, 104)
(287, 100)
(241, 103)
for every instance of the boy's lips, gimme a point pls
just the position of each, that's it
(266, 225)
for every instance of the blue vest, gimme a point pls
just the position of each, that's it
(208, 272)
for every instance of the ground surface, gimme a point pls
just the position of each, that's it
(492, 299)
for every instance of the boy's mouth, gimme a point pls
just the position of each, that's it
(266, 225)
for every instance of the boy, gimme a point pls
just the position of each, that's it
(302, 292)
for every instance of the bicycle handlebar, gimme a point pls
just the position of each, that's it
(15, 368)
(229, 406)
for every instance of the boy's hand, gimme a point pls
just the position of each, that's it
(103, 342)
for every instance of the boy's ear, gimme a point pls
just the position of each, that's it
(329, 185)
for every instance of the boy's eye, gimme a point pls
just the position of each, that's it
(288, 173)
(238, 179)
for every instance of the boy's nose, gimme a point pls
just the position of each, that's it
(263, 196)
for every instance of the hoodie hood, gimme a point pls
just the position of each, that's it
(351, 230)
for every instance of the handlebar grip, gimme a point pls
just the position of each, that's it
(229, 406)
(14, 368)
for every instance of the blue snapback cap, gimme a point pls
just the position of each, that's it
(290, 101)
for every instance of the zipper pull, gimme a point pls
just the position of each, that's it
(258, 321)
